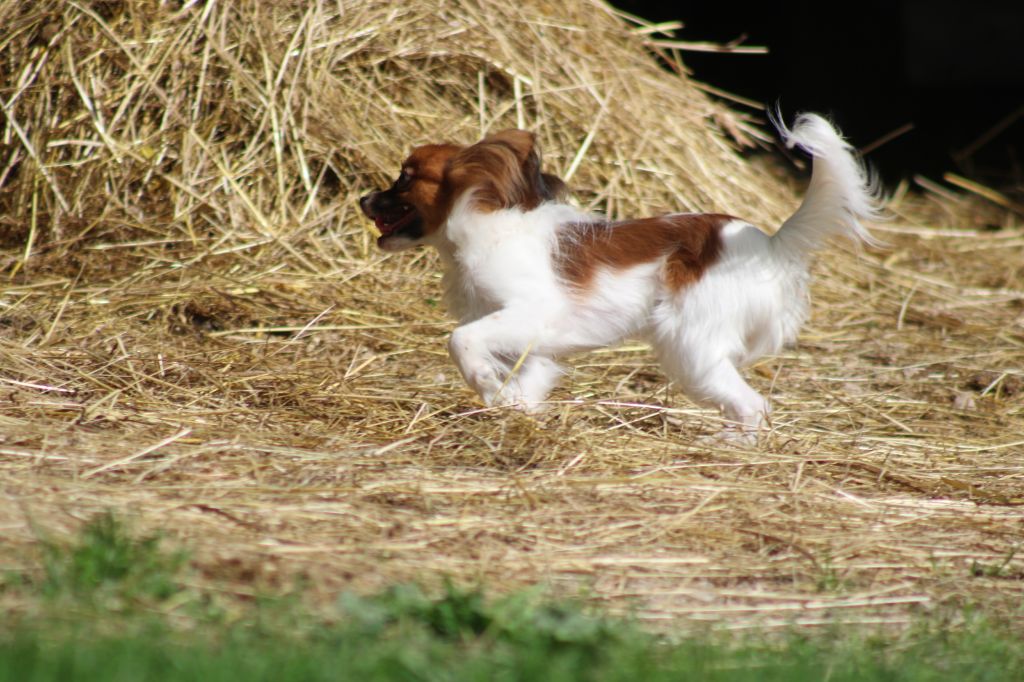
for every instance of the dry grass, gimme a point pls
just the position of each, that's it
(197, 331)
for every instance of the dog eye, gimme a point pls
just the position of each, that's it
(403, 181)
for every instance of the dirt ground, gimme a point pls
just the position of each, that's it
(295, 426)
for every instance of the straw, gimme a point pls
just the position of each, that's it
(197, 330)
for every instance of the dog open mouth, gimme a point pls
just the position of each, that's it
(399, 225)
(392, 221)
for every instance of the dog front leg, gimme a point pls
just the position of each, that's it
(486, 350)
(535, 379)
(478, 366)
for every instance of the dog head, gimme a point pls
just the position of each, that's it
(501, 171)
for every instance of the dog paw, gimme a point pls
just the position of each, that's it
(526, 406)
(730, 436)
(510, 395)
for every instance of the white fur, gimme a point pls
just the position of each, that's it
(500, 282)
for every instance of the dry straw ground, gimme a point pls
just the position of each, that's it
(196, 329)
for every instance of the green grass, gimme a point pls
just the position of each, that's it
(112, 607)
(107, 562)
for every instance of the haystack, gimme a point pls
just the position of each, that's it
(197, 330)
(230, 123)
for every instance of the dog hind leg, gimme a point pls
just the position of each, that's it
(704, 372)
(745, 409)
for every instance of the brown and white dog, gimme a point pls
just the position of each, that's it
(532, 279)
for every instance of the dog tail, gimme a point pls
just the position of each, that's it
(841, 194)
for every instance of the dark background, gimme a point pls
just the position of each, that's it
(954, 70)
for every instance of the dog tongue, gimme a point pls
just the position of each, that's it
(382, 226)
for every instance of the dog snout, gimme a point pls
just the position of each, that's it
(366, 204)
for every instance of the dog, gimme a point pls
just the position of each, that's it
(532, 279)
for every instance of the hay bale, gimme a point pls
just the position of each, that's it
(202, 124)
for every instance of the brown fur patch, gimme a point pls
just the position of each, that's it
(690, 243)
(504, 170)
(426, 190)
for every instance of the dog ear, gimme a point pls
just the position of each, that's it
(552, 187)
(522, 142)
(504, 171)
(541, 186)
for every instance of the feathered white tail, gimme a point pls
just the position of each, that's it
(841, 192)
